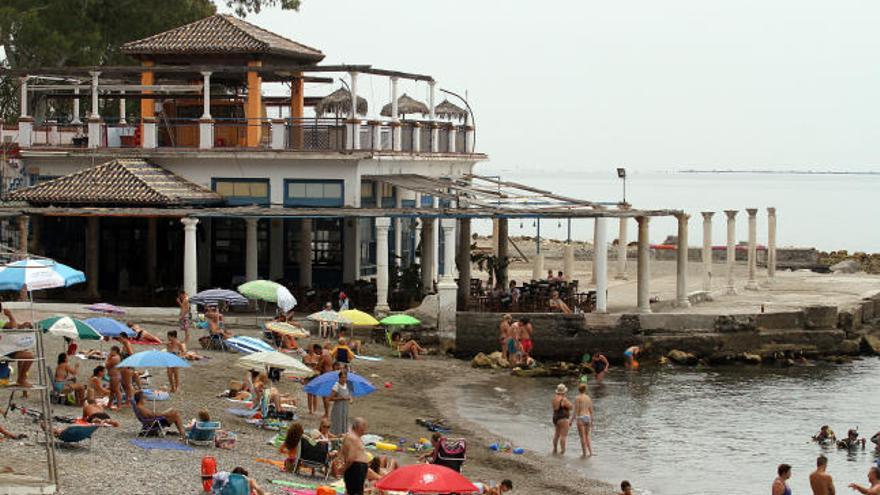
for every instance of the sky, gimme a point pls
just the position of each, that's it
(650, 85)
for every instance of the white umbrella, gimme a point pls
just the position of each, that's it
(279, 360)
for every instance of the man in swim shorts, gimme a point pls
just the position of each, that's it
(820, 481)
(583, 415)
(356, 460)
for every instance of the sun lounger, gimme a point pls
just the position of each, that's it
(315, 456)
(202, 433)
(74, 435)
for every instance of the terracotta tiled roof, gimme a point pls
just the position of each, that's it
(121, 182)
(221, 34)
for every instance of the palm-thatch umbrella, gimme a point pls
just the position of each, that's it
(406, 105)
(339, 103)
(449, 110)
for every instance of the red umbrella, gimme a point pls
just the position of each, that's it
(426, 478)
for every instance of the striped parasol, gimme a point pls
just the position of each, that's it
(217, 296)
(248, 345)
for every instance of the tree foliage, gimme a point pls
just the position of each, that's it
(244, 7)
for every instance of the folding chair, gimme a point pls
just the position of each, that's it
(451, 453)
(315, 456)
(149, 426)
(202, 433)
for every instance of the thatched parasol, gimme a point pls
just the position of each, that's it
(449, 110)
(339, 102)
(406, 105)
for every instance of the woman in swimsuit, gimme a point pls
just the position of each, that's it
(127, 374)
(600, 366)
(142, 335)
(561, 418)
(583, 413)
(65, 379)
(97, 389)
(780, 484)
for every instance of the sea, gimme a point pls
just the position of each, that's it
(675, 431)
(828, 211)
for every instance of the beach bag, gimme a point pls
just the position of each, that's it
(224, 440)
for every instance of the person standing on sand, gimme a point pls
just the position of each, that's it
(561, 418)
(820, 481)
(780, 484)
(583, 416)
(325, 365)
(873, 479)
(115, 373)
(356, 461)
(184, 317)
(504, 333)
(341, 397)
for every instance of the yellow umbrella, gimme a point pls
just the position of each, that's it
(359, 318)
(282, 328)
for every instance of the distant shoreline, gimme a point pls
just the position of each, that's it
(780, 172)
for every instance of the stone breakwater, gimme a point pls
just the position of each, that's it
(811, 332)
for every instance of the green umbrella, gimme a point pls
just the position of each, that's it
(399, 319)
(266, 290)
(65, 326)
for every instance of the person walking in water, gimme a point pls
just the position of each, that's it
(780, 484)
(820, 481)
(630, 355)
(583, 416)
(561, 418)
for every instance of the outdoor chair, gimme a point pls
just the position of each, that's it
(315, 456)
(149, 426)
(54, 396)
(236, 484)
(202, 433)
(76, 434)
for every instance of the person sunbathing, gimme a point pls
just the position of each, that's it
(65, 379)
(94, 414)
(290, 446)
(261, 384)
(342, 352)
(166, 418)
(8, 434)
(236, 391)
(142, 335)
(255, 488)
(97, 389)
(380, 466)
(408, 349)
(178, 348)
(504, 487)
(203, 416)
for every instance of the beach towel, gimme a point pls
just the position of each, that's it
(241, 413)
(278, 464)
(160, 444)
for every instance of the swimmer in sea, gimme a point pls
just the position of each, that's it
(852, 440)
(600, 366)
(825, 435)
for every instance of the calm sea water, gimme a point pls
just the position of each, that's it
(824, 211)
(682, 431)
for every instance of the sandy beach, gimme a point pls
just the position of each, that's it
(419, 389)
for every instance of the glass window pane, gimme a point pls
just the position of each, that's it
(314, 190)
(333, 190)
(259, 189)
(224, 188)
(296, 190)
(242, 189)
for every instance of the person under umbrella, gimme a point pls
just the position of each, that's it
(340, 397)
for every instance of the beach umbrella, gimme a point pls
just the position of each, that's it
(106, 308)
(426, 478)
(37, 274)
(108, 327)
(248, 345)
(322, 386)
(266, 290)
(339, 102)
(217, 296)
(358, 318)
(400, 319)
(450, 110)
(275, 359)
(283, 328)
(406, 105)
(153, 359)
(328, 316)
(65, 326)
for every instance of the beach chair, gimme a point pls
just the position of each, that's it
(202, 433)
(451, 453)
(54, 396)
(74, 435)
(236, 484)
(149, 426)
(315, 456)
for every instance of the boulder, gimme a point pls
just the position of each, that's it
(681, 357)
(532, 373)
(870, 344)
(820, 317)
(850, 347)
(846, 266)
(751, 358)
(481, 361)
(497, 360)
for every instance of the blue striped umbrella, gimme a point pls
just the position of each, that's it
(248, 345)
(37, 274)
(217, 296)
(108, 327)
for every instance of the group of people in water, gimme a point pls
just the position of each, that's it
(821, 482)
(516, 340)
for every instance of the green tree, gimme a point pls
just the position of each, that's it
(244, 7)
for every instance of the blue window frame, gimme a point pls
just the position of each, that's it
(314, 192)
(427, 201)
(242, 191)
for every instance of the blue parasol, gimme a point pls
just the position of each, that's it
(37, 274)
(108, 327)
(153, 359)
(322, 386)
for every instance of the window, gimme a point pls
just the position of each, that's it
(243, 191)
(328, 193)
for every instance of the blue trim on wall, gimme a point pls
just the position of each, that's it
(315, 202)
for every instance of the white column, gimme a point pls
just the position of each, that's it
(23, 99)
(450, 144)
(771, 242)
(95, 113)
(122, 107)
(681, 266)
(731, 250)
(150, 139)
(382, 226)
(76, 120)
(206, 95)
(601, 266)
(277, 133)
(416, 137)
(568, 260)
(95, 131)
(469, 139)
(593, 268)
(435, 131)
(250, 244)
(448, 226)
(354, 127)
(621, 250)
(707, 249)
(644, 267)
(435, 268)
(25, 122)
(752, 284)
(190, 260)
(397, 135)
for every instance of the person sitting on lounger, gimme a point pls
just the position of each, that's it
(65, 379)
(276, 399)
(166, 418)
(97, 389)
(142, 335)
(557, 304)
(94, 414)
(256, 489)
(408, 349)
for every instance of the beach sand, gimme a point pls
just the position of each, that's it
(419, 389)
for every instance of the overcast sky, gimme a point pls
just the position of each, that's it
(650, 84)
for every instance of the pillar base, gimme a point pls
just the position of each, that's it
(752, 285)
(643, 310)
(447, 292)
(621, 276)
(382, 309)
(683, 303)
